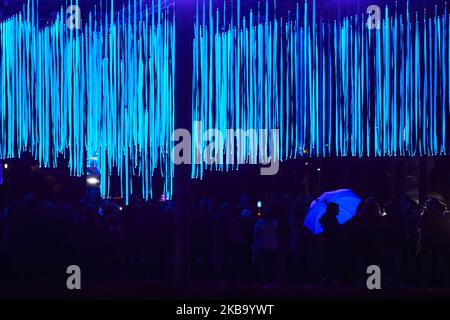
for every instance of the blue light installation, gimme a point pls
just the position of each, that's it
(332, 88)
(106, 89)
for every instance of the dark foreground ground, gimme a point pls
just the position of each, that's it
(207, 291)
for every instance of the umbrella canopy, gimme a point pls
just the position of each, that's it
(348, 203)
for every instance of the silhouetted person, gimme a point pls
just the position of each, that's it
(113, 249)
(431, 237)
(281, 208)
(333, 245)
(266, 245)
(23, 219)
(202, 240)
(233, 246)
(446, 248)
(92, 240)
(369, 234)
(295, 219)
(410, 212)
(247, 222)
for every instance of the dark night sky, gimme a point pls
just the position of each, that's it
(328, 9)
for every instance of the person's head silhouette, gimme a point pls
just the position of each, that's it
(371, 207)
(332, 209)
(434, 206)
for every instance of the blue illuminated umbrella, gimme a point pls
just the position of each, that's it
(348, 203)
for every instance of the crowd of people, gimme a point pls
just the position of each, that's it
(230, 243)
(410, 244)
(38, 239)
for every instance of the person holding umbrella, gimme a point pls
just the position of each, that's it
(331, 232)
